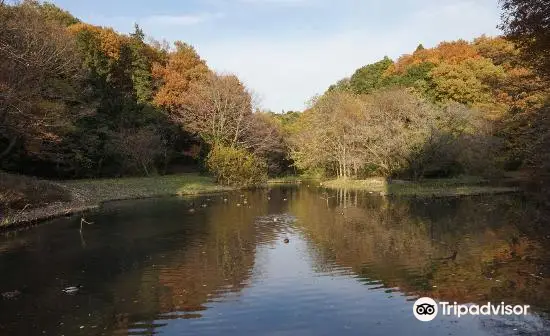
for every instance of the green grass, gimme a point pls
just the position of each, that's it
(100, 190)
(377, 184)
(460, 186)
(48, 199)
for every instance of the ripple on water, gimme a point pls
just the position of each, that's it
(352, 265)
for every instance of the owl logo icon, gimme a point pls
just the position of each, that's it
(425, 309)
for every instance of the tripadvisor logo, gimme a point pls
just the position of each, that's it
(426, 309)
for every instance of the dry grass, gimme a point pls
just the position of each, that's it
(18, 192)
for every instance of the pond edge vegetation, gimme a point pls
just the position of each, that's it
(451, 187)
(97, 110)
(46, 200)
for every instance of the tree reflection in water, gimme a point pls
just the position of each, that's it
(147, 264)
(410, 244)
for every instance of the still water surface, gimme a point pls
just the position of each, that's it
(354, 265)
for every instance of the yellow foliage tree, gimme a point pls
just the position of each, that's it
(110, 40)
(469, 82)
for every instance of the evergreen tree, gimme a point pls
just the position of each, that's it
(141, 67)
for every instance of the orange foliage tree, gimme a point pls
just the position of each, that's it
(173, 79)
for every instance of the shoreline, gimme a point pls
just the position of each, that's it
(452, 187)
(88, 195)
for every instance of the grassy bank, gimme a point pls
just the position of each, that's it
(27, 200)
(462, 186)
(285, 179)
(129, 188)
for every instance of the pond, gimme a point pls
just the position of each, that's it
(291, 260)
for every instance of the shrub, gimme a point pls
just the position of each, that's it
(17, 192)
(236, 167)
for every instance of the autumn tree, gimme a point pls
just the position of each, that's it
(528, 24)
(266, 138)
(138, 149)
(350, 135)
(468, 82)
(397, 125)
(323, 143)
(391, 132)
(218, 109)
(39, 80)
(450, 52)
(173, 79)
(236, 166)
(51, 12)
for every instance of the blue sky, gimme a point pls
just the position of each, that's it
(286, 51)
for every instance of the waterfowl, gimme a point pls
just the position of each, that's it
(286, 240)
(83, 221)
(191, 210)
(71, 289)
(204, 205)
(11, 295)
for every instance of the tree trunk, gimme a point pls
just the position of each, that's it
(8, 149)
(145, 169)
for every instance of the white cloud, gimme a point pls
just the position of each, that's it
(286, 72)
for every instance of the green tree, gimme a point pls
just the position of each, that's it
(370, 77)
(141, 67)
(416, 76)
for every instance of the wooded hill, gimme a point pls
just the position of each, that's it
(78, 100)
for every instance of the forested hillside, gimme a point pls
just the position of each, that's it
(462, 107)
(78, 100)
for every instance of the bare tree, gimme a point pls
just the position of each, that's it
(219, 109)
(138, 147)
(38, 62)
(347, 132)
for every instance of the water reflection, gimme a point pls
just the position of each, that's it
(354, 262)
(468, 250)
(462, 249)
